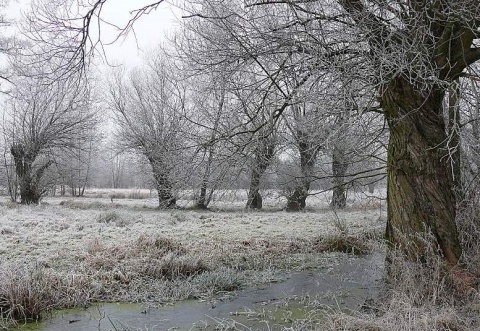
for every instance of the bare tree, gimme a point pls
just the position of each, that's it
(263, 155)
(44, 121)
(412, 90)
(340, 165)
(149, 112)
(74, 168)
(468, 108)
(117, 165)
(305, 130)
(407, 54)
(210, 105)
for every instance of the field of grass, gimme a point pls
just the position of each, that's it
(71, 252)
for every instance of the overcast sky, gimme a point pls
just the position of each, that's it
(150, 30)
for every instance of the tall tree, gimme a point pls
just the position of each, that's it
(46, 120)
(419, 48)
(74, 168)
(149, 112)
(305, 131)
(411, 52)
(407, 52)
(209, 94)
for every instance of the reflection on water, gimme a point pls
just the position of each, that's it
(345, 286)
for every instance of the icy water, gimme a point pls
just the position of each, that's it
(271, 307)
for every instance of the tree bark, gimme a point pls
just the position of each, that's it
(453, 130)
(263, 156)
(254, 198)
(308, 155)
(28, 178)
(202, 197)
(166, 199)
(202, 201)
(339, 169)
(297, 201)
(420, 191)
(164, 186)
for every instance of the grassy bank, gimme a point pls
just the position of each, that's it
(72, 254)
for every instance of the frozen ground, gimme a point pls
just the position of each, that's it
(109, 247)
(63, 227)
(225, 199)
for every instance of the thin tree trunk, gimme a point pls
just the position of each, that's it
(420, 192)
(12, 180)
(454, 143)
(83, 185)
(202, 202)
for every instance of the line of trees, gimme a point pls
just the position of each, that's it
(250, 85)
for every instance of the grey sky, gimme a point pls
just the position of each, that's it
(150, 30)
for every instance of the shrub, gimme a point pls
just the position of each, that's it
(220, 280)
(138, 195)
(117, 195)
(87, 205)
(342, 243)
(129, 195)
(172, 266)
(26, 294)
(159, 245)
(108, 217)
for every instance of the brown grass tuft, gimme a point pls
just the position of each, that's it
(172, 266)
(342, 243)
(158, 244)
(26, 294)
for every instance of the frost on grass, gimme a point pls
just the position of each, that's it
(90, 249)
(419, 296)
(27, 292)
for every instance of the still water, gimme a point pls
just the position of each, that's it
(271, 307)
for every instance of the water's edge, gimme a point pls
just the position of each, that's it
(345, 286)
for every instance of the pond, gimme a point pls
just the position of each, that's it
(345, 285)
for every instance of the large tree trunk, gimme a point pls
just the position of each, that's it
(297, 201)
(308, 155)
(166, 198)
(254, 198)
(339, 169)
(420, 193)
(28, 178)
(163, 184)
(263, 156)
(201, 202)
